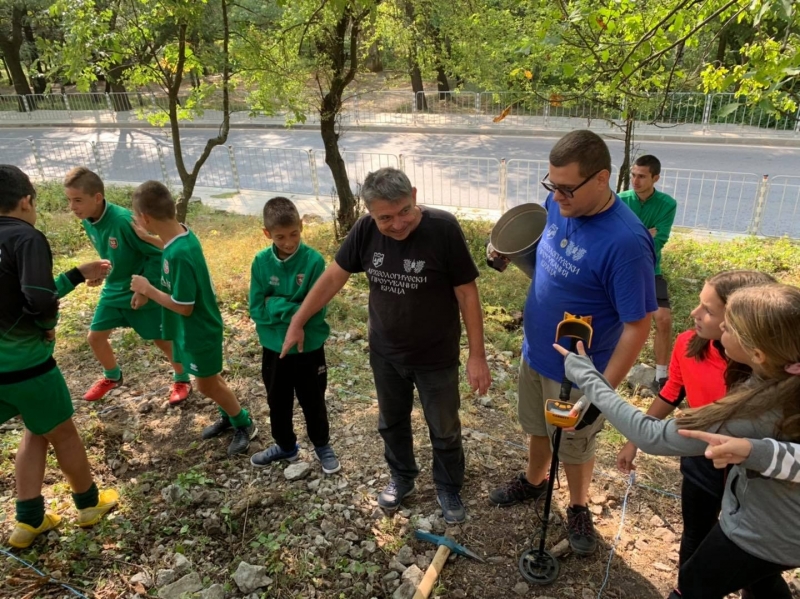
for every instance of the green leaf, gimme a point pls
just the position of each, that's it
(568, 69)
(729, 109)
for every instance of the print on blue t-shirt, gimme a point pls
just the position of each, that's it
(604, 271)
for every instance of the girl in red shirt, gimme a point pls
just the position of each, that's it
(700, 373)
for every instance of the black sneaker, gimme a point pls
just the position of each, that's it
(216, 429)
(517, 491)
(658, 385)
(582, 535)
(394, 493)
(453, 510)
(241, 439)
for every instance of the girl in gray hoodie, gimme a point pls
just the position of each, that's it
(757, 533)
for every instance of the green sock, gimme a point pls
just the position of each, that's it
(183, 377)
(31, 511)
(114, 374)
(241, 420)
(86, 499)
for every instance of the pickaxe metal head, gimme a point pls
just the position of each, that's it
(447, 542)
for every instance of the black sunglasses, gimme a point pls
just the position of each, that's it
(565, 191)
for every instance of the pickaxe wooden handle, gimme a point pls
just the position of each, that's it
(432, 573)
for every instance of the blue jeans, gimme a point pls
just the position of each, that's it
(438, 393)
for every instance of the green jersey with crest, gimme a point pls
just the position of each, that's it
(185, 277)
(114, 239)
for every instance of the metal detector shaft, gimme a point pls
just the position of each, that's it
(564, 395)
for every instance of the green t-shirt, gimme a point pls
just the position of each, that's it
(657, 211)
(114, 239)
(185, 277)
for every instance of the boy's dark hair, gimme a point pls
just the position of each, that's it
(584, 147)
(154, 199)
(85, 180)
(14, 185)
(280, 212)
(651, 162)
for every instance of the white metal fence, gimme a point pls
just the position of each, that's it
(674, 113)
(743, 203)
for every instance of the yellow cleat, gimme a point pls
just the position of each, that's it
(90, 516)
(25, 534)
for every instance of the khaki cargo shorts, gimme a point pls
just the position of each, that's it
(576, 447)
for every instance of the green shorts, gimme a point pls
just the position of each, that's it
(199, 360)
(43, 402)
(146, 321)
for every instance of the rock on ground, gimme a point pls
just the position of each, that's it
(250, 578)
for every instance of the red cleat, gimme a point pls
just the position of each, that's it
(101, 388)
(180, 391)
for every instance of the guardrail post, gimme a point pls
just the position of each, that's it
(163, 164)
(109, 104)
(761, 200)
(707, 112)
(36, 158)
(797, 121)
(66, 105)
(25, 103)
(234, 170)
(503, 184)
(401, 162)
(312, 165)
(96, 155)
(546, 114)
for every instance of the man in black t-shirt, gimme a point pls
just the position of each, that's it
(420, 275)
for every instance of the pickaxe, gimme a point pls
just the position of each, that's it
(446, 546)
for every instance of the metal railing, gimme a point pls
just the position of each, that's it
(740, 203)
(676, 113)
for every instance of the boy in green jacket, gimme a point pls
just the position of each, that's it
(191, 315)
(657, 212)
(110, 229)
(281, 277)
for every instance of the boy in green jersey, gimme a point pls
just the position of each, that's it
(280, 278)
(657, 212)
(31, 385)
(190, 316)
(111, 231)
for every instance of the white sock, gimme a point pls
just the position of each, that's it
(661, 372)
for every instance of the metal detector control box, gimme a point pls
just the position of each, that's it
(561, 412)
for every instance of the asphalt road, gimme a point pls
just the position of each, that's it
(716, 185)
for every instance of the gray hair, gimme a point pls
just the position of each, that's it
(387, 184)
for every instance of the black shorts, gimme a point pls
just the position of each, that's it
(662, 293)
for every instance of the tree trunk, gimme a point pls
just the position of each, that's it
(347, 212)
(417, 85)
(374, 62)
(10, 47)
(38, 79)
(441, 83)
(721, 46)
(623, 180)
(115, 86)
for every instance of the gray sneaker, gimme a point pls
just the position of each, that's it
(394, 493)
(581, 533)
(327, 457)
(241, 439)
(453, 510)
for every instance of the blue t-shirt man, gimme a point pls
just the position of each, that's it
(599, 266)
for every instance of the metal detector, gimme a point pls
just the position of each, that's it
(539, 566)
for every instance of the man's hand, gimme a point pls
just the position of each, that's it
(722, 449)
(93, 282)
(626, 456)
(50, 335)
(140, 285)
(98, 269)
(478, 374)
(294, 336)
(653, 231)
(138, 300)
